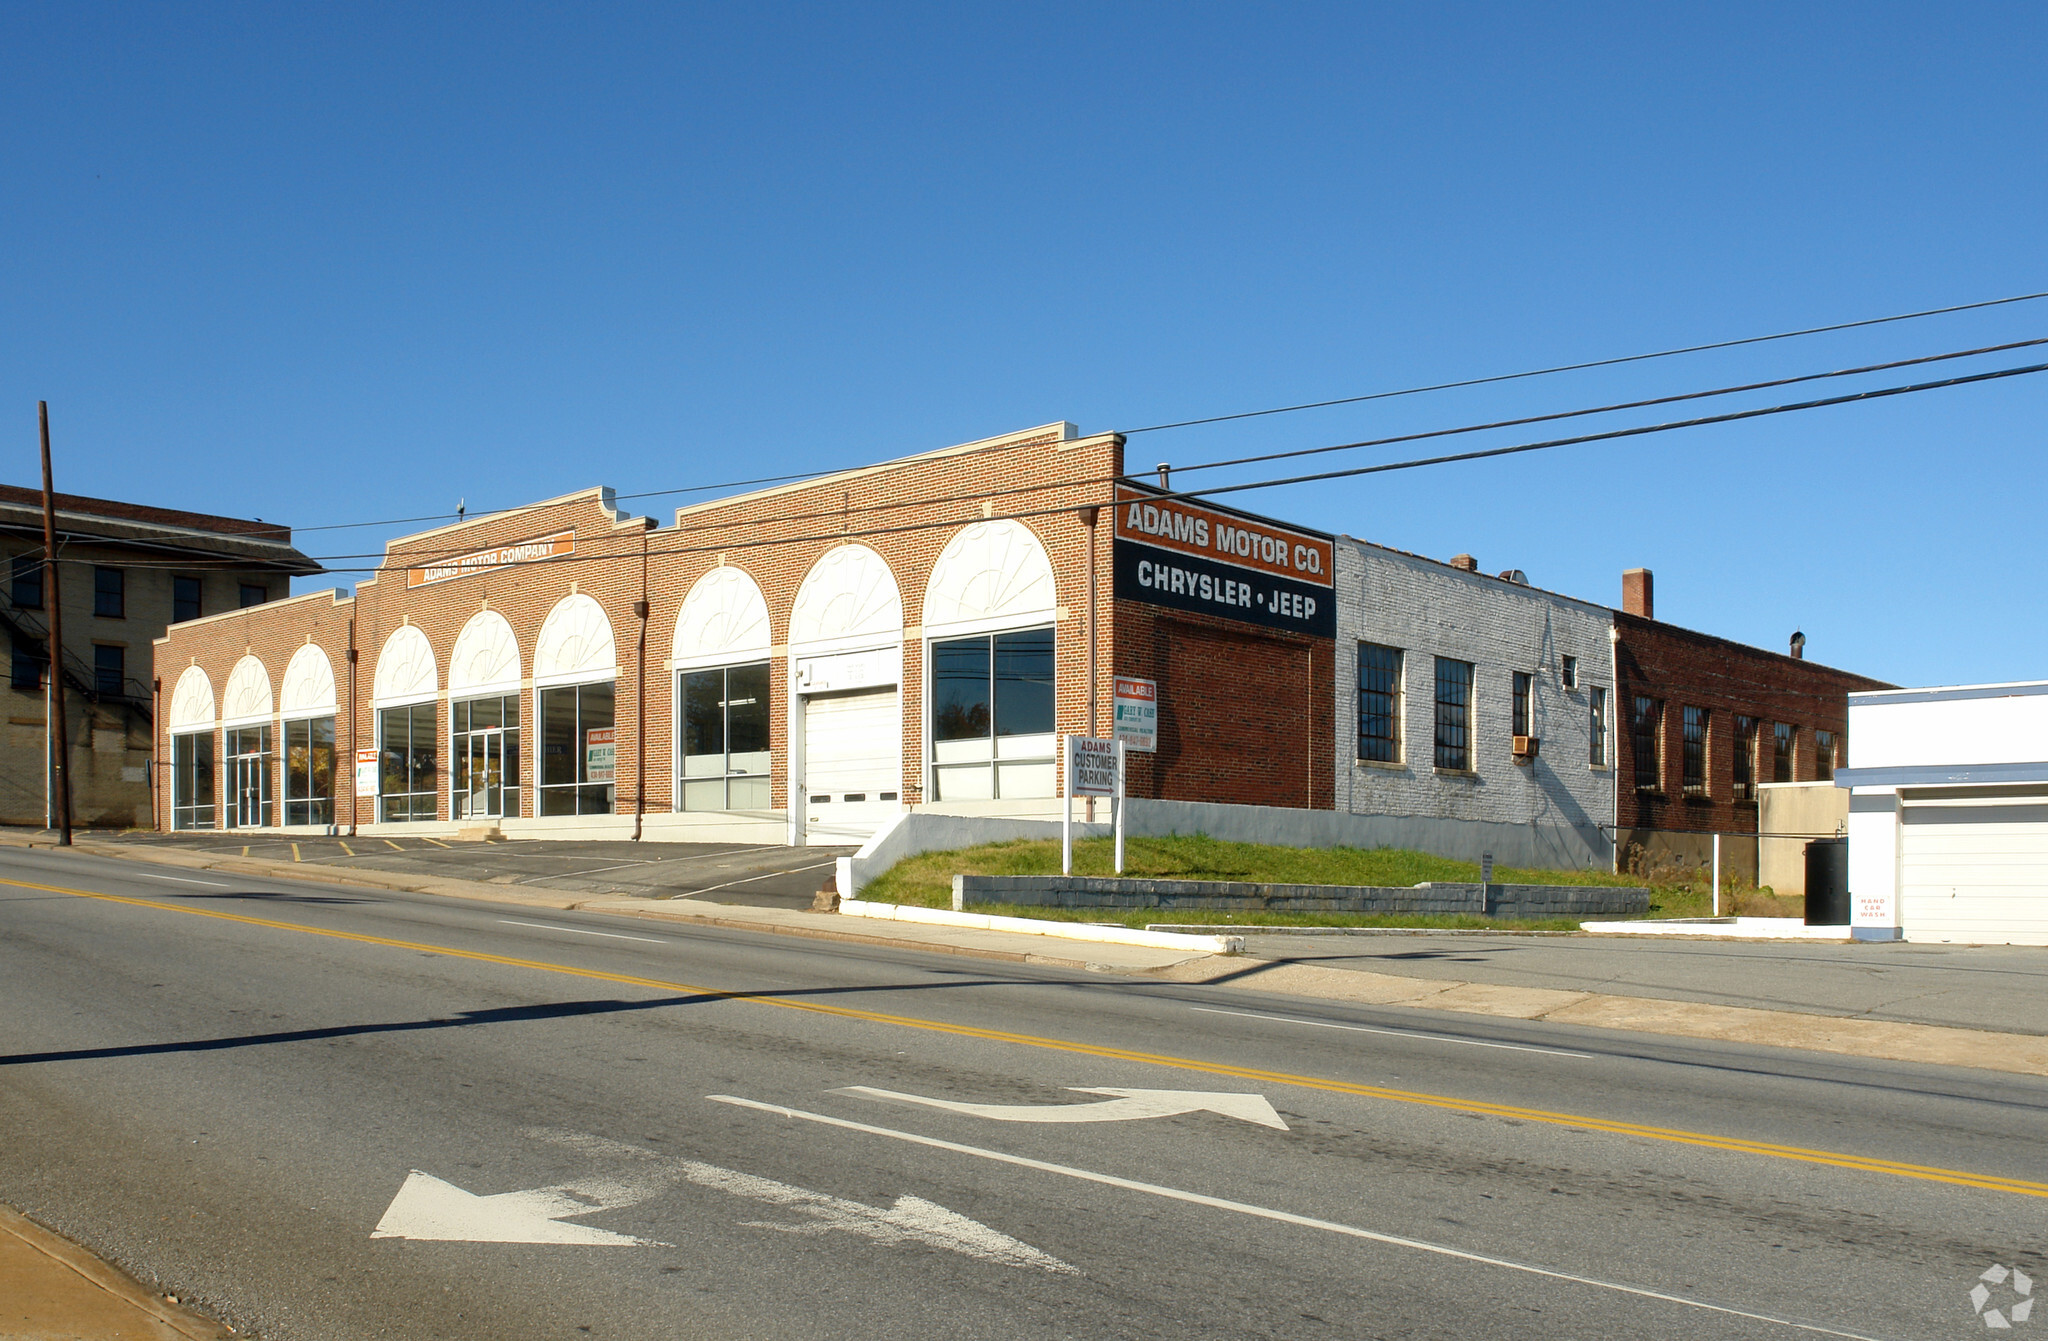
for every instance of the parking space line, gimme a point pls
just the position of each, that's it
(793, 870)
(346, 848)
(393, 846)
(295, 851)
(435, 841)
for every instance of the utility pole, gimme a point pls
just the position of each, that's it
(60, 743)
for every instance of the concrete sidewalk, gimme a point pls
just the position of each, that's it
(53, 1290)
(1819, 998)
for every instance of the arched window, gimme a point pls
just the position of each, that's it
(191, 727)
(306, 706)
(403, 692)
(483, 720)
(989, 614)
(245, 712)
(575, 669)
(720, 656)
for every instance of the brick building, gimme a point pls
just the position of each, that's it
(796, 664)
(125, 572)
(806, 662)
(1705, 721)
(1477, 710)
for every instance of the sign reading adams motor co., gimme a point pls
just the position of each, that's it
(1191, 556)
(503, 556)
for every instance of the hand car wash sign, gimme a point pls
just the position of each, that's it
(1191, 556)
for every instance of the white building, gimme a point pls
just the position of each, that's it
(1948, 814)
(1441, 672)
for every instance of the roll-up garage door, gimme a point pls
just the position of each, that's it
(853, 763)
(1975, 870)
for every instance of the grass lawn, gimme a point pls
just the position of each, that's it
(927, 880)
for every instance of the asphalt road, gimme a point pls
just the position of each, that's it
(228, 1087)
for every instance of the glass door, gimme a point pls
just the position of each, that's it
(248, 778)
(485, 776)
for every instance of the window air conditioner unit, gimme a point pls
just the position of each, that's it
(1525, 748)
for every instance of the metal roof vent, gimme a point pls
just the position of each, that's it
(1516, 576)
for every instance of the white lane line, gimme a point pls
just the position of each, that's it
(1267, 1213)
(145, 875)
(609, 935)
(765, 875)
(1397, 1033)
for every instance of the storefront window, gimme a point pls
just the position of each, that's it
(484, 761)
(576, 750)
(192, 781)
(724, 714)
(407, 763)
(309, 771)
(249, 796)
(992, 717)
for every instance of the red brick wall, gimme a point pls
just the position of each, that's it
(1684, 669)
(1246, 715)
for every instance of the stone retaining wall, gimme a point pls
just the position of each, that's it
(1496, 900)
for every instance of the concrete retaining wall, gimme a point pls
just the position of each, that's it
(1056, 891)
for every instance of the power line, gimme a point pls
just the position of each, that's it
(1595, 363)
(1638, 431)
(426, 557)
(1619, 405)
(1250, 414)
(1604, 436)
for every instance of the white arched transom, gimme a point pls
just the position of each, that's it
(405, 668)
(992, 572)
(575, 642)
(724, 618)
(248, 692)
(849, 595)
(192, 701)
(308, 689)
(486, 656)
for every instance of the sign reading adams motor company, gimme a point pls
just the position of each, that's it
(503, 556)
(1192, 556)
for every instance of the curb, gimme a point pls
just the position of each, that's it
(1199, 942)
(71, 1269)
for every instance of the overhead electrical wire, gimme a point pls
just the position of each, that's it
(1593, 363)
(1252, 414)
(848, 509)
(1607, 435)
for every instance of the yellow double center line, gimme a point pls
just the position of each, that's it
(1257, 1075)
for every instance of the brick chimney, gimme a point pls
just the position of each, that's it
(1465, 563)
(1638, 593)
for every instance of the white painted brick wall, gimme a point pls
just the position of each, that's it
(1429, 609)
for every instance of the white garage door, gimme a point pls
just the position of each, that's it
(1975, 871)
(853, 763)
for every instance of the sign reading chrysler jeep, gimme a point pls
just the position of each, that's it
(1189, 556)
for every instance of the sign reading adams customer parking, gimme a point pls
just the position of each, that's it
(1191, 556)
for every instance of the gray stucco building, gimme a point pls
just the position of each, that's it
(1475, 714)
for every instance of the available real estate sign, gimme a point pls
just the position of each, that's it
(1193, 556)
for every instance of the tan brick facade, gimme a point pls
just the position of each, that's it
(907, 512)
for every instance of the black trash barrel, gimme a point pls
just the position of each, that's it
(1827, 882)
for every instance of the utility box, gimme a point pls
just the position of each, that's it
(1827, 882)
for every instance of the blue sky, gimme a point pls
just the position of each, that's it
(498, 253)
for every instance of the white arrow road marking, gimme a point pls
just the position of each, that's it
(429, 1208)
(1267, 1213)
(1131, 1105)
(426, 1207)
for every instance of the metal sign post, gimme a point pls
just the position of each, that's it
(1094, 768)
(1117, 808)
